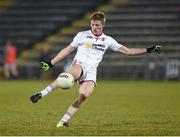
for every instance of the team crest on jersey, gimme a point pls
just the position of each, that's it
(103, 39)
(88, 45)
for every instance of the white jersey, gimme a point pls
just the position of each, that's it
(90, 48)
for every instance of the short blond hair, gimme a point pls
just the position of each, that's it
(98, 16)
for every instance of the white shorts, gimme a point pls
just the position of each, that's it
(89, 72)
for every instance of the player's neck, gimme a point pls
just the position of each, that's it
(97, 35)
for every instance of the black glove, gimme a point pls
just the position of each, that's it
(46, 65)
(154, 49)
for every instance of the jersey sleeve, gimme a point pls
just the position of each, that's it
(76, 40)
(114, 45)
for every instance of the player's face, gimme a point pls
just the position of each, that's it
(97, 27)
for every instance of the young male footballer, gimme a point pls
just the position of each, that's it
(91, 46)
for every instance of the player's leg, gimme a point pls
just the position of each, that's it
(75, 71)
(14, 70)
(85, 90)
(34, 98)
(6, 71)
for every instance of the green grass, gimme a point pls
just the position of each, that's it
(115, 108)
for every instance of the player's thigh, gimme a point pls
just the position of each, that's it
(76, 71)
(86, 88)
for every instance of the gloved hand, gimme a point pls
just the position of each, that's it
(154, 49)
(46, 65)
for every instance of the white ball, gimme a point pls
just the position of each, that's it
(65, 80)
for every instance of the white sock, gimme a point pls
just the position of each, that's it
(66, 117)
(45, 91)
(70, 112)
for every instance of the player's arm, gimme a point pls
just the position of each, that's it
(139, 51)
(59, 57)
(62, 54)
(132, 51)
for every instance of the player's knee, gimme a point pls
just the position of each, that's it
(86, 93)
(81, 99)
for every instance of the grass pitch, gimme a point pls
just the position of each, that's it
(115, 108)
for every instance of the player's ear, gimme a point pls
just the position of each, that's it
(103, 23)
